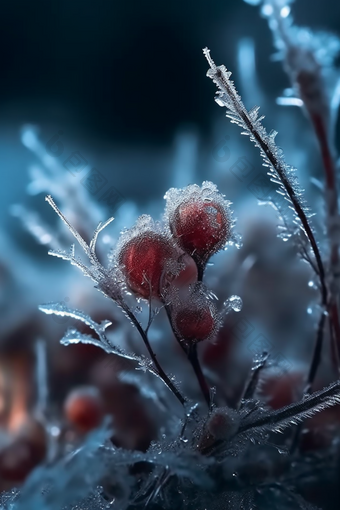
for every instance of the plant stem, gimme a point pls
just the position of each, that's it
(258, 134)
(332, 213)
(193, 358)
(200, 270)
(191, 353)
(316, 402)
(316, 355)
(153, 356)
(224, 84)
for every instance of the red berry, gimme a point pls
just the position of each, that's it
(84, 408)
(27, 449)
(321, 430)
(223, 423)
(201, 227)
(280, 391)
(199, 220)
(193, 314)
(194, 324)
(144, 260)
(196, 319)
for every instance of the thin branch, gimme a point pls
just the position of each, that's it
(221, 78)
(316, 355)
(296, 412)
(252, 383)
(153, 356)
(191, 353)
(193, 358)
(116, 296)
(257, 132)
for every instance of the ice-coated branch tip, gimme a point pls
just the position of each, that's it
(206, 53)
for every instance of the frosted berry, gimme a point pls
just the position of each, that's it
(144, 261)
(201, 228)
(223, 423)
(283, 389)
(27, 449)
(195, 324)
(194, 316)
(199, 220)
(84, 408)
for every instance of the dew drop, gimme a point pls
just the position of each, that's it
(233, 303)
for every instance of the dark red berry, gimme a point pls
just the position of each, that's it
(282, 390)
(144, 260)
(84, 408)
(195, 323)
(27, 449)
(223, 423)
(200, 227)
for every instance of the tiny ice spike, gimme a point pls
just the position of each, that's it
(199, 220)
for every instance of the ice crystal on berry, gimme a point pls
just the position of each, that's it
(144, 257)
(199, 219)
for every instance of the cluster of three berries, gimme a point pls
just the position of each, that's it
(157, 263)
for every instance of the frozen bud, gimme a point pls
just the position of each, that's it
(194, 316)
(199, 220)
(144, 256)
(223, 423)
(84, 408)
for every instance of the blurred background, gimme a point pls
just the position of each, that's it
(106, 105)
(115, 76)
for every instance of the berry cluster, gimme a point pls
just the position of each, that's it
(167, 262)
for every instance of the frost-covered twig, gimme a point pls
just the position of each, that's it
(317, 354)
(293, 414)
(111, 287)
(190, 351)
(279, 172)
(193, 358)
(252, 382)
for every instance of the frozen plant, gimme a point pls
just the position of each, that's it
(207, 453)
(216, 457)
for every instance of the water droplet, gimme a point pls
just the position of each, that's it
(309, 310)
(233, 303)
